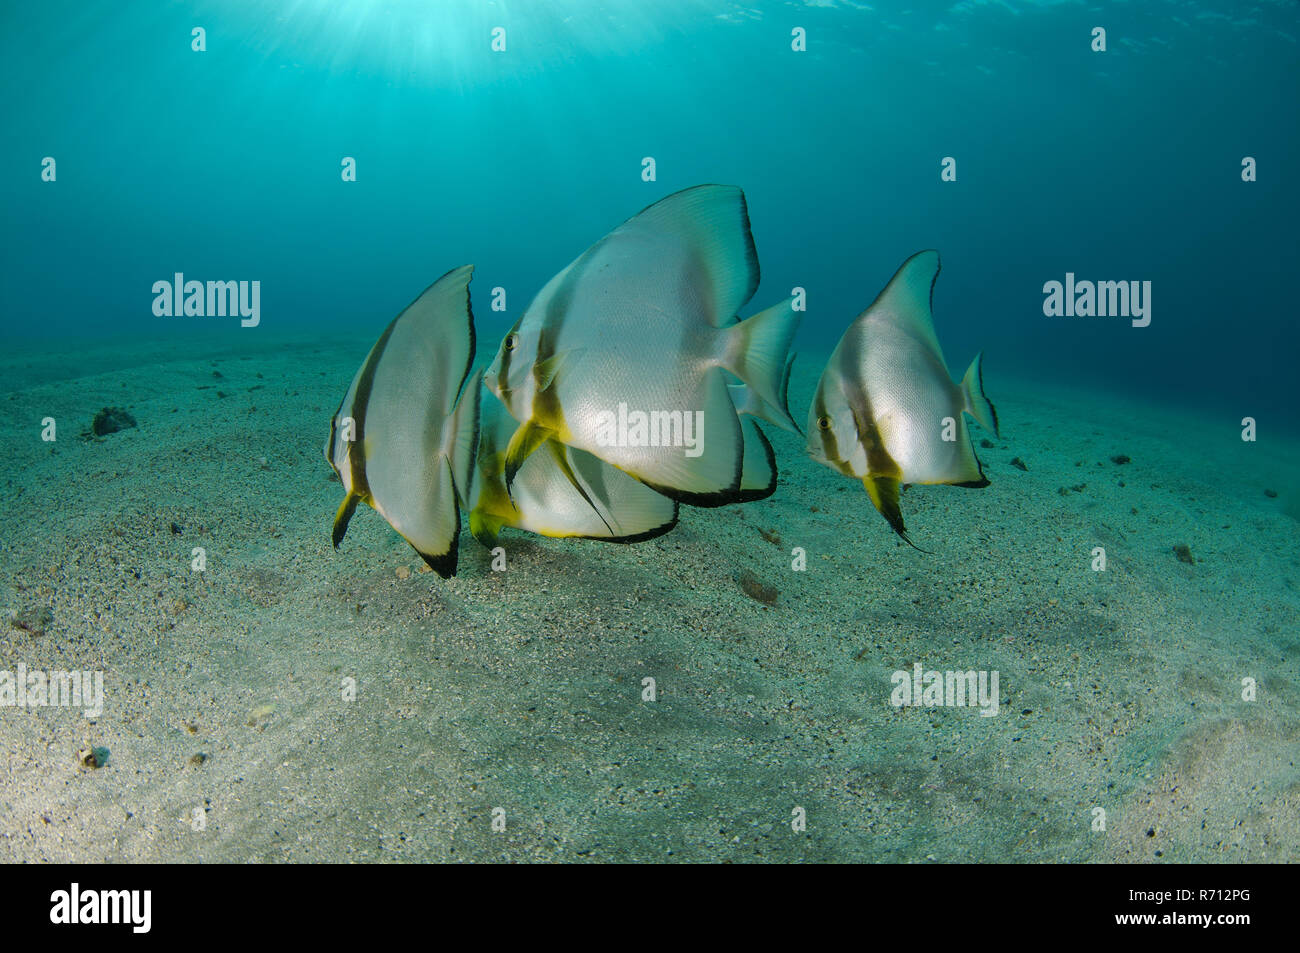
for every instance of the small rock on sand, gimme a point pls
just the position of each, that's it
(33, 620)
(92, 756)
(111, 420)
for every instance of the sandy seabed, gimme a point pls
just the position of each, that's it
(518, 695)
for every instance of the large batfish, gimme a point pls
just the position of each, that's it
(628, 352)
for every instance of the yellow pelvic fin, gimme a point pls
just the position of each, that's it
(344, 514)
(527, 438)
(484, 526)
(884, 492)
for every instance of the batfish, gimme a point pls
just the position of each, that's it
(886, 410)
(627, 353)
(559, 492)
(405, 436)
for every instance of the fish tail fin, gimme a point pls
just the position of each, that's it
(977, 403)
(758, 352)
(462, 436)
(785, 388)
(344, 516)
(747, 401)
(758, 477)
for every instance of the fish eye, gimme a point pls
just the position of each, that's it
(823, 423)
(512, 341)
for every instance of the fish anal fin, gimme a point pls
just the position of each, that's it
(758, 480)
(461, 437)
(562, 461)
(444, 565)
(435, 531)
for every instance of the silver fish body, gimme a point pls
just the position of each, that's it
(643, 326)
(559, 492)
(886, 410)
(403, 439)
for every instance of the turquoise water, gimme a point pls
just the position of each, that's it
(1159, 688)
(1115, 165)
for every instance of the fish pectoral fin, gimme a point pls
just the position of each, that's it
(545, 371)
(343, 516)
(562, 461)
(884, 496)
(527, 437)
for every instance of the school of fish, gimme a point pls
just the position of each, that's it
(630, 386)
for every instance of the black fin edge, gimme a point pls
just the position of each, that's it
(979, 484)
(785, 393)
(636, 537)
(445, 564)
(702, 500)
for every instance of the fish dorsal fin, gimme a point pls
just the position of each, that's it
(712, 222)
(907, 298)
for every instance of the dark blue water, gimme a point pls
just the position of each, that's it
(1116, 165)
